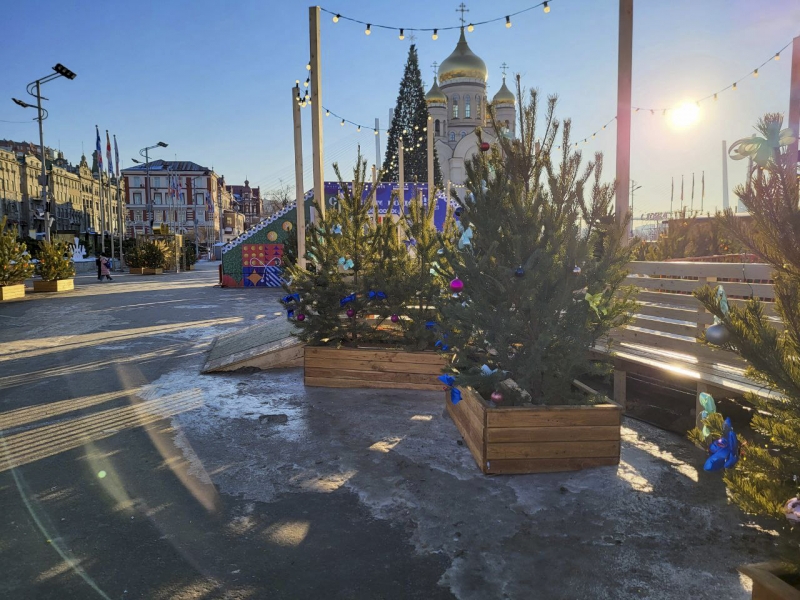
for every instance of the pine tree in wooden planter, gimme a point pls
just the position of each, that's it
(55, 267)
(369, 291)
(15, 265)
(536, 283)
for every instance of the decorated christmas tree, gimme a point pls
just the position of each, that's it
(15, 266)
(367, 281)
(410, 122)
(55, 261)
(538, 279)
(765, 479)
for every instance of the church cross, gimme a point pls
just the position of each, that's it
(462, 8)
(411, 37)
(435, 67)
(504, 68)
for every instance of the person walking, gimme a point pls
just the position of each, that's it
(99, 262)
(104, 270)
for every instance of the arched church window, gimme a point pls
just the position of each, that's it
(452, 136)
(507, 124)
(455, 107)
(436, 127)
(463, 134)
(467, 107)
(478, 107)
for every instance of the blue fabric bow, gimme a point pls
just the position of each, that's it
(485, 370)
(724, 451)
(379, 295)
(289, 313)
(442, 346)
(291, 298)
(346, 299)
(455, 393)
(337, 229)
(430, 324)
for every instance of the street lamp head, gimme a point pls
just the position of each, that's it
(64, 71)
(162, 144)
(21, 103)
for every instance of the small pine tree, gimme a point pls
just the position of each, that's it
(540, 280)
(15, 265)
(410, 122)
(55, 261)
(766, 477)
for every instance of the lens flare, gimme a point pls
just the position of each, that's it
(685, 115)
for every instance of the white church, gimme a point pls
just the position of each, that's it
(457, 105)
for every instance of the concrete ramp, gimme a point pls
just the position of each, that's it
(268, 345)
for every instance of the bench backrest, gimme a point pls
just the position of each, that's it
(669, 318)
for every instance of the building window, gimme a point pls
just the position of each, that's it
(452, 136)
(467, 107)
(157, 198)
(455, 108)
(508, 125)
(183, 198)
(137, 215)
(137, 182)
(156, 182)
(478, 107)
(436, 127)
(137, 198)
(463, 134)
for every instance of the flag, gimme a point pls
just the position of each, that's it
(116, 156)
(209, 203)
(108, 155)
(99, 151)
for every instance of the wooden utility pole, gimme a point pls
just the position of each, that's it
(431, 195)
(401, 177)
(624, 78)
(316, 107)
(299, 193)
(794, 98)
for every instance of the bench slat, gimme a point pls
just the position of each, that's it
(759, 290)
(755, 271)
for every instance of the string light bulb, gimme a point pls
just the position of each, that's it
(308, 66)
(777, 56)
(546, 8)
(734, 86)
(402, 35)
(306, 82)
(715, 97)
(336, 18)
(342, 123)
(376, 132)
(755, 73)
(470, 27)
(297, 82)
(368, 30)
(508, 22)
(435, 35)
(359, 128)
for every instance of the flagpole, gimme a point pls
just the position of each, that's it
(120, 203)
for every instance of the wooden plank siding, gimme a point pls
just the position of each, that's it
(536, 439)
(372, 368)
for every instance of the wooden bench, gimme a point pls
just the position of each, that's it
(663, 334)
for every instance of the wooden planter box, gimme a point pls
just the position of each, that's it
(767, 583)
(137, 270)
(59, 285)
(146, 271)
(372, 368)
(536, 439)
(10, 292)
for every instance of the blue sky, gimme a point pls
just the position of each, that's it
(213, 79)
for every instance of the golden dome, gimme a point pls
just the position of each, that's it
(462, 63)
(504, 95)
(435, 94)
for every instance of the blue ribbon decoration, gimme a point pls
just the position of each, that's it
(455, 393)
(379, 295)
(430, 324)
(289, 313)
(291, 298)
(442, 346)
(347, 264)
(346, 299)
(486, 371)
(724, 451)
(337, 229)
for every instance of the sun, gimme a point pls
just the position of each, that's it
(685, 115)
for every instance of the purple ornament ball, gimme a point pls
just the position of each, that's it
(456, 285)
(351, 313)
(395, 318)
(497, 397)
(301, 317)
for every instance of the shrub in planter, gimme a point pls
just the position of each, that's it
(15, 265)
(539, 280)
(190, 255)
(154, 254)
(55, 261)
(133, 257)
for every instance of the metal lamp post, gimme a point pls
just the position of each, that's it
(148, 203)
(60, 71)
(634, 187)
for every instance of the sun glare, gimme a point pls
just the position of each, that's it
(685, 115)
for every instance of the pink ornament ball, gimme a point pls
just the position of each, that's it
(395, 318)
(497, 397)
(301, 317)
(351, 313)
(456, 285)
